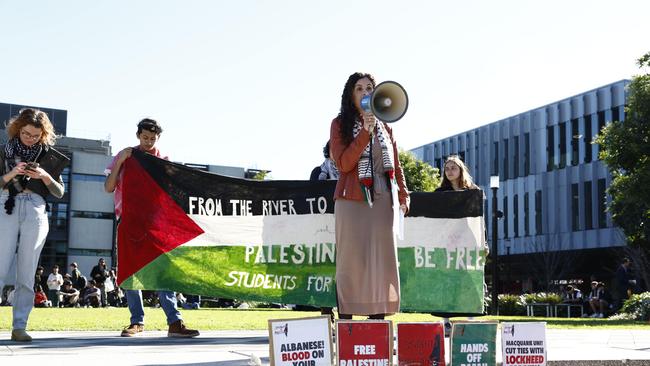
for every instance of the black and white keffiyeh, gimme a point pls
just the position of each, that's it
(16, 151)
(365, 169)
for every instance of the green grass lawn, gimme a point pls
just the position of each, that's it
(234, 319)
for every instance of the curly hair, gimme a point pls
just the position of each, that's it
(36, 118)
(349, 112)
(465, 180)
(150, 125)
(326, 150)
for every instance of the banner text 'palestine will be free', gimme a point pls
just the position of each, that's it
(273, 241)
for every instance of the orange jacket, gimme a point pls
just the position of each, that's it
(39, 297)
(347, 157)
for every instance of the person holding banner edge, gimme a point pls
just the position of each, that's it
(148, 134)
(23, 217)
(367, 277)
(456, 177)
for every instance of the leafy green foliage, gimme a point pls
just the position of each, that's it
(511, 305)
(543, 297)
(261, 175)
(625, 148)
(420, 176)
(637, 307)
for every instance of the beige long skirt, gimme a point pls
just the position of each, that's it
(367, 278)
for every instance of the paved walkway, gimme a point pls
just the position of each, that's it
(242, 347)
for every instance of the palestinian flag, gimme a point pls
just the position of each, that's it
(196, 232)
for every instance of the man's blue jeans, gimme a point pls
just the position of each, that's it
(167, 303)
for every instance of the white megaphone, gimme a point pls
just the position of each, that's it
(388, 102)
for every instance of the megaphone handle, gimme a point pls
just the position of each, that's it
(372, 165)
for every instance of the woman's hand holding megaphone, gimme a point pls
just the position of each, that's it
(369, 122)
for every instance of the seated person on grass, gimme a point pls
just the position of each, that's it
(69, 295)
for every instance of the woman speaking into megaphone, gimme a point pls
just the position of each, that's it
(370, 193)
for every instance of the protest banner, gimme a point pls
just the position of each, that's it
(301, 341)
(421, 344)
(523, 344)
(191, 231)
(364, 343)
(473, 343)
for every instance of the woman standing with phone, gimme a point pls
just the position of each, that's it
(23, 218)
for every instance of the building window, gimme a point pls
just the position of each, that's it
(89, 252)
(505, 216)
(495, 158)
(601, 121)
(526, 208)
(54, 252)
(538, 212)
(476, 156)
(92, 215)
(515, 215)
(88, 178)
(575, 208)
(588, 138)
(506, 166)
(575, 141)
(58, 215)
(550, 148)
(562, 144)
(602, 204)
(589, 224)
(604, 117)
(5, 113)
(65, 176)
(436, 157)
(467, 149)
(623, 113)
(526, 154)
(515, 157)
(487, 215)
(616, 114)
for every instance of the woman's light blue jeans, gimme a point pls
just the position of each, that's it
(22, 236)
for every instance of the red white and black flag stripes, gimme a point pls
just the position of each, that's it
(192, 231)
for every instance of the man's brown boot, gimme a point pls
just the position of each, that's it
(178, 330)
(19, 335)
(133, 330)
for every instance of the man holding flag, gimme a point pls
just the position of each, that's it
(148, 134)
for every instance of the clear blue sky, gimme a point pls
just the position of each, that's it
(257, 83)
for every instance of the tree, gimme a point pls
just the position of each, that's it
(548, 262)
(625, 148)
(420, 176)
(262, 175)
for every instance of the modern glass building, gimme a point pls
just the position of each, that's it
(58, 117)
(552, 187)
